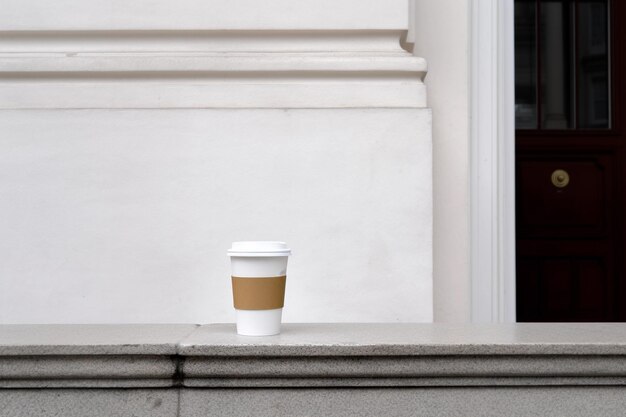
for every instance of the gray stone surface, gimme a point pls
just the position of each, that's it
(315, 369)
(89, 403)
(391, 383)
(92, 339)
(400, 370)
(43, 356)
(412, 339)
(432, 402)
(87, 371)
(85, 366)
(362, 355)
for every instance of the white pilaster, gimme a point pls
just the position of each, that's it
(493, 162)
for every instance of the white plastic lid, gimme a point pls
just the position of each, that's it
(259, 248)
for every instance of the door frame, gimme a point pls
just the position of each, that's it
(492, 161)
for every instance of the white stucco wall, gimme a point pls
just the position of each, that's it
(126, 215)
(124, 176)
(442, 37)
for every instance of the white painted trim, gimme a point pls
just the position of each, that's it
(210, 63)
(209, 69)
(124, 15)
(192, 94)
(492, 161)
(199, 42)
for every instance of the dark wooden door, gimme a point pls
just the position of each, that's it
(570, 153)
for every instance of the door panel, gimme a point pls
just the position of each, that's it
(566, 288)
(580, 207)
(570, 187)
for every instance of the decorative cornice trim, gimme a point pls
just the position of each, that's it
(209, 69)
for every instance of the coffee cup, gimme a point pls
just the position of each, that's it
(259, 275)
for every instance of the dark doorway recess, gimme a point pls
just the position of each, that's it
(570, 160)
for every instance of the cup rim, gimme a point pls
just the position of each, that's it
(259, 248)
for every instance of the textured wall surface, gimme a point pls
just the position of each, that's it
(126, 215)
(441, 36)
(139, 140)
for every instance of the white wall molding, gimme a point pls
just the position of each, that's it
(204, 41)
(221, 65)
(264, 79)
(207, 54)
(492, 162)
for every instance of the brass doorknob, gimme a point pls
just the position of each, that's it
(560, 178)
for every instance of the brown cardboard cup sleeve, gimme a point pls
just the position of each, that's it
(259, 293)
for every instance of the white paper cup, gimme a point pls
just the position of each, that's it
(259, 273)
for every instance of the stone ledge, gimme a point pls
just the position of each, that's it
(394, 339)
(312, 355)
(89, 339)
(90, 356)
